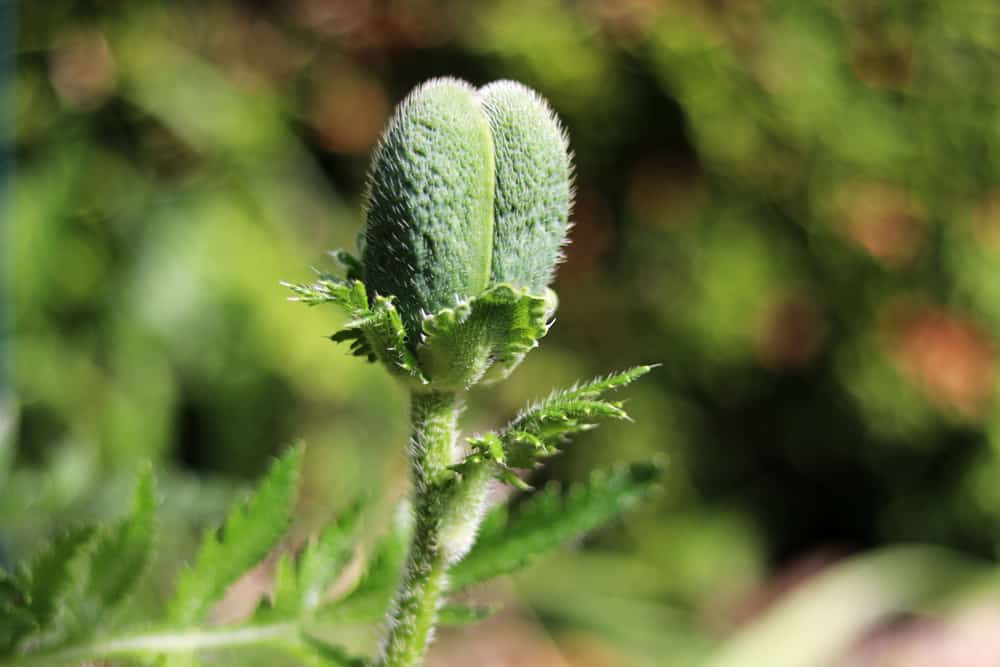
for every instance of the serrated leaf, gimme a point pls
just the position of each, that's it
(485, 337)
(32, 600)
(375, 330)
(300, 585)
(537, 432)
(550, 519)
(324, 559)
(371, 597)
(250, 531)
(121, 555)
(350, 295)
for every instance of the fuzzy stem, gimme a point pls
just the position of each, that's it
(432, 451)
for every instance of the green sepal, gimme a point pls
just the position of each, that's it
(483, 338)
(375, 330)
(348, 294)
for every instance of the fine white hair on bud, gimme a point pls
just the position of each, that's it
(467, 190)
(466, 213)
(429, 202)
(533, 189)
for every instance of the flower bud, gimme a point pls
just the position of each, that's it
(429, 205)
(469, 191)
(533, 188)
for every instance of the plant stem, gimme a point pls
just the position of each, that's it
(164, 642)
(412, 620)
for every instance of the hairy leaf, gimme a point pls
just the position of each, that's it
(550, 519)
(250, 531)
(537, 432)
(375, 330)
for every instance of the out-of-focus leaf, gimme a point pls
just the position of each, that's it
(550, 519)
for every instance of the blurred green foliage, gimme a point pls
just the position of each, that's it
(794, 206)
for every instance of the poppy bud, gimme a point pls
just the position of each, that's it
(429, 205)
(466, 213)
(533, 190)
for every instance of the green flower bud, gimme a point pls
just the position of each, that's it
(429, 205)
(533, 188)
(465, 216)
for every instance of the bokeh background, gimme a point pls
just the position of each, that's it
(794, 206)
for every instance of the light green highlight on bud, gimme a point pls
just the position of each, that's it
(429, 205)
(533, 189)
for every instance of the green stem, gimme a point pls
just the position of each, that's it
(432, 451)
(153, 643)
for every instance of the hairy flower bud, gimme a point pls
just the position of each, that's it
(533, 189)
(429, 205)
(467, 190)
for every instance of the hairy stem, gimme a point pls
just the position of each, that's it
(412, 620)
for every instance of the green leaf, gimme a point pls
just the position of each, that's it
(460, 614)
(250, 531)
(549, 519)
(331, 654)
(16, 620)
(483, 338)
(373, 594)
(537, 432)
(121, 555)
(31, 601)
(300, 585)
(350, 295)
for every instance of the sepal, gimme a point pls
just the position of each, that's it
(483, 338)
(375, 331)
